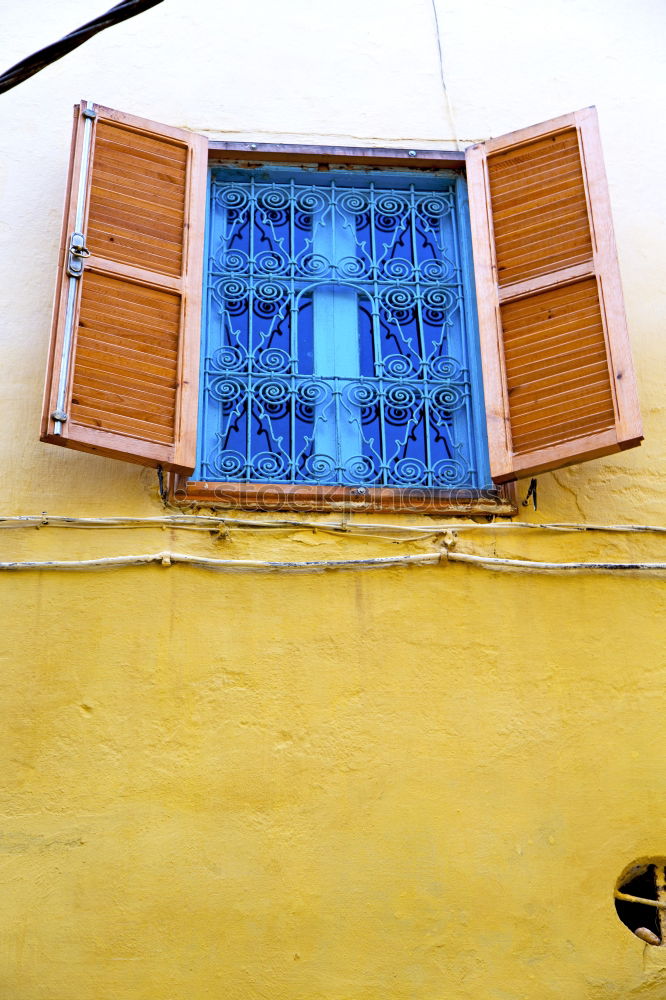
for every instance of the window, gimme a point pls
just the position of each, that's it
(339, 343)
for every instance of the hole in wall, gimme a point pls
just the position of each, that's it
(640, 899)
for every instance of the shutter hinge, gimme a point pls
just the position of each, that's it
(76, 254)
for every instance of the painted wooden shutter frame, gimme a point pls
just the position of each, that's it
(506, 465)
(179, 454)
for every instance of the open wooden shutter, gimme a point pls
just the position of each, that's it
(557, 370)
(122, 377)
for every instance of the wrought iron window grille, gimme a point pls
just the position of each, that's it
(339, 338)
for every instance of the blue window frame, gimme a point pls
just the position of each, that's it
(339, 341)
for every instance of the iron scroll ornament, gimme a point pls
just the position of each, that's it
(337, 341)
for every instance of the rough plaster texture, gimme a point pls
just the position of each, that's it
(400, 785)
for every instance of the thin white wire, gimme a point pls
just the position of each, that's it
(447, 99)
(202, 562)
(317, 565)
(199, 522)
(496, 562)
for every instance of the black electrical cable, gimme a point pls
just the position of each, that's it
(40, 60)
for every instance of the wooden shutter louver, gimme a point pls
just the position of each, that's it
(124, 355)
(557, 370)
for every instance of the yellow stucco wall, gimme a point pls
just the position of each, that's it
(404, 784)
